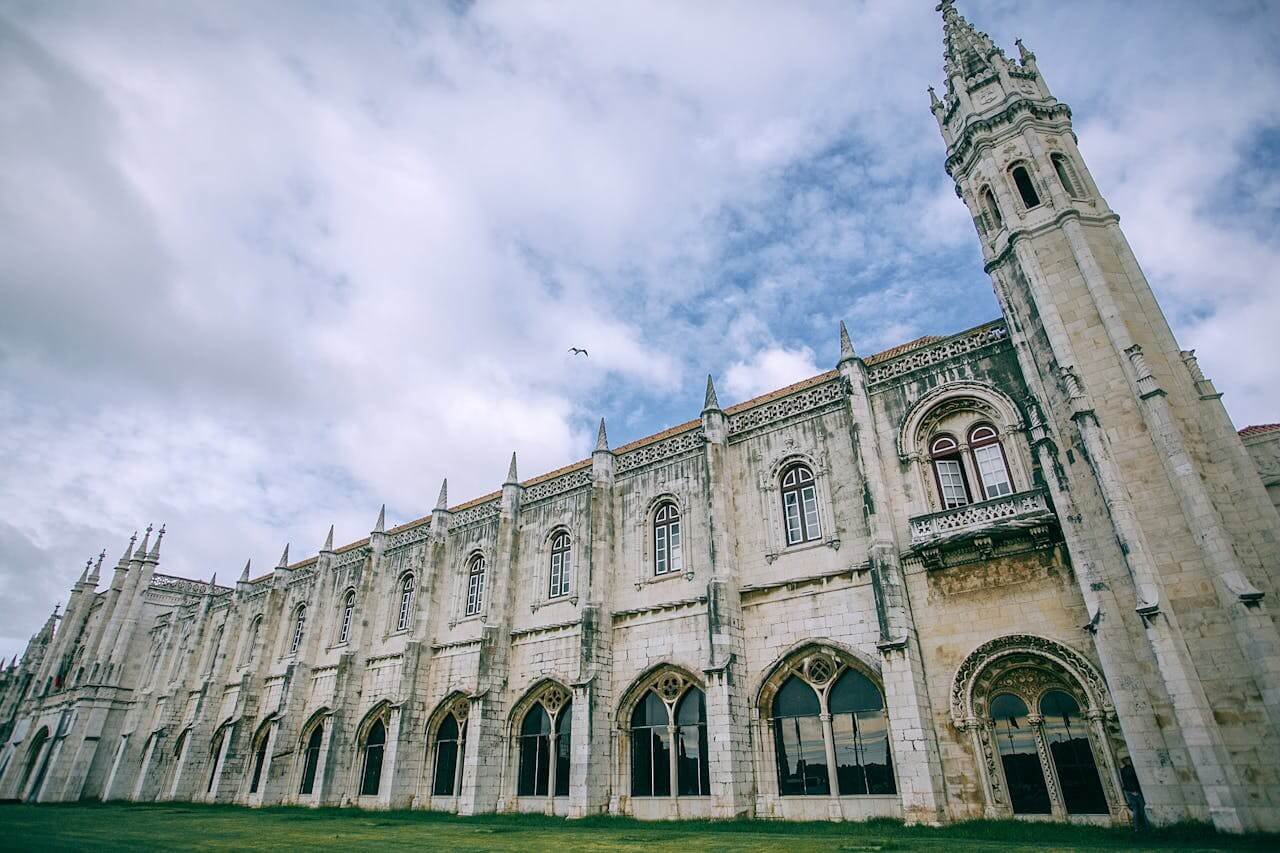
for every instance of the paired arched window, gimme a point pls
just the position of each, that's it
(344, 620)
(311, 759)
(820, 705)
(475, 585)
(989, 463)
(375, 745)
(670, 720)
(406, 603)
(1062, 727)
(1026, 188)
(561, 550)
(991, 208)
(545, 749)
(251, 641)
(800, 505)
(668, 553)
(450, 746)
(299, 625)
(1066, 175)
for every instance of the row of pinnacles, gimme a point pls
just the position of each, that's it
(1020, 571)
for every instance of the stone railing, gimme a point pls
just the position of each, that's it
(935, 353)
(1019, 511)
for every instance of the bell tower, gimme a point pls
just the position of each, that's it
(1172, 544)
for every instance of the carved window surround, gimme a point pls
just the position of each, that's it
(770, 485)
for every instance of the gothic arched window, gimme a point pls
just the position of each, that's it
(545, 751)
(406, 603)
(475, 585)
(948, 468)
(311, 758)
(559, 577)
(299, 624)
(991, 208)
(251, 641)
(1066, 175)
(450, 743)
(348, 609)
(668, 555)
(375, 744)
(1068, 740)
(988, 456)
(215, 759)
(1026, 189)
(669, 740)
(259, 759)
(1016, 741)
(214, 648)
(800, 505)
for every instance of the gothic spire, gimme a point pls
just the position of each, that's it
(244, 576)
(128, 551)
(142, 549)
(846, 345)
(154, 554)
(512, 477)
(602, 438)
(284, 558)
(710, 401)
(328, 540)
(97, 567)
(380, 526)
(442, 502)
(213, 584)
(966, 52)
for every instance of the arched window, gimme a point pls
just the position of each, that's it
(1066, 175)
(988, 456)
(348, 608)
(311, 759)
(215, 759)
(406, 603)
(1016, 741)
(949, 470)
(251, 641)
(475, 585)
(861, 734)
(800, 505)
(450, 745)
(559, 579)
(1068, 741)
(545, 751)
(213, 651)
(1026, 189)
(798, 739)
(259, 759)
(992, 209)
(375, 743)
(299, 623)
(670, 719)
(34, 753)
(668, 555)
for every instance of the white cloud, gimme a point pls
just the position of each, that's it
(768, 369)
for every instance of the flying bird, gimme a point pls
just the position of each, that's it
(579, 351)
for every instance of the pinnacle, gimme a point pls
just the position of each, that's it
(380, 526)
(84, 575)
(213, 583)
(244, 576)
(328, 540)
(154, 554)
(602, 438)
(710, 402)
(142, 549)
(284, 558)
(846, 345)
(128, 551)
(442, 502)
(512, 477)
(97, 567)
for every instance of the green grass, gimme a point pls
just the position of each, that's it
(183, 826)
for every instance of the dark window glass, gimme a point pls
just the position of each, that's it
(214, 755)
(1026, 189)
(802, 756)
(311, 760)
(1064, 731)
(559, 579)
(693, 772)
(475, 586)
(795, 699)
(800, 505)
(650, 748)
(448, 742)
(375, 745)
(993, 209)
(535, 753)
(861, 735)
(564, 749)
(1065, 175)
(259, 759)
(1017, 744)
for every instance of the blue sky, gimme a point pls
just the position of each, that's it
(266, 267)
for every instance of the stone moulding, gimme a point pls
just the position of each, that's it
(658, 608)
(932, 354)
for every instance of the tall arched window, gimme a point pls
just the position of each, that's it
(450, 744)
(375, 744)
(34, 753)
(798, 739)
(406, 603)
(1066, 175)
(559, 578)
(1068, 740)
(215, 759)
(988, 456)
(475, 585)
(670, 720)
(864, 764)
(348, 608)
(311, 759)
(299, 624)
(800, 505)
(251, 641)
(214, 648)
(668, 555)
(544, 751)
(949, 470)
(259, 759)
(991, 208)
(1016, 741)
(1026, 189)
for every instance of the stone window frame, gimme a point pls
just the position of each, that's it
(321, 718)
(457, 703)
(1072, 186)
(208, 668)
(1033, 178)
(770, 487)
(979, 678)
(989, 209)
(339, 616)
(645, 521)
(798, 661)
(248, 650)
(540, 577)
(295, 638)
(555, 696)
(219, 744)
(397, 604)
(671, 681)
(462, 572)
(381, 710)
(262, 738)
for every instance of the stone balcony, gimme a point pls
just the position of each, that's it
(976, 529)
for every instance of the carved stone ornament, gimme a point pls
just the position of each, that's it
(670, 686)
(553, 699)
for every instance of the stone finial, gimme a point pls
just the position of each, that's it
(97, 567)
(380, 526)
(284, 558)
(328, 540)
(142, 549)
(846, 345)
(244, 576)
(934, 103)
(442, 500)
(513, 479)
(154, 554)
(128, 551)
(602, 438)
(710, 403)
(1024, 53)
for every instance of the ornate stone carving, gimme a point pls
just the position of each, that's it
(660, 451)
(1022, 511)
(801, 402)
(927, 356)
(557, 485)
(476, 514)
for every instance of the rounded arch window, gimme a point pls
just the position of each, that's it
(989, 459)
(668, 551)
(1066, 175)
(405, 613)
(558, 579)
(450, 746)
(669, 751)
(991, 208)
(375, 745)
(800, 504)
(1016, 742)
(311, 758)
(251, 640)
(545, 749)
(344, 618)
(948, 469)
(299, 626)
(1067, 737)
(1026, 187)
(475, 585)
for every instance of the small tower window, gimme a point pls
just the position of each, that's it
(475, 585)
(992, 209)
(560, 551)
(1066, 175)
(1026, 189)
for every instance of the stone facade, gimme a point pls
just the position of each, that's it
(1020, 570)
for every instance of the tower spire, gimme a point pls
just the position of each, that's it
(328, 540)
(846, 345)
(442, 501)
(602, 438)
(710, 401)
(244, 576)
(966, 51)
(512, 476)
(154, 554)
(284, 558)
(380, 526)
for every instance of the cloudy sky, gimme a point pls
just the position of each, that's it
(264, 267)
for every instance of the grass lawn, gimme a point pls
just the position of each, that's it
(182, 826)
